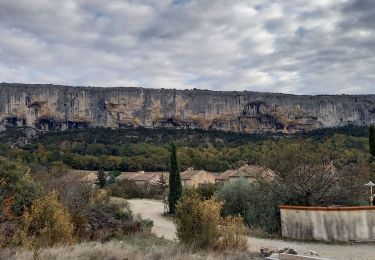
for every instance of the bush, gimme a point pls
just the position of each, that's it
(254, 201)
(263, 209)
(207, 191)
(232, 234)
(200, 225)
(74, 194)
(126, 189)
(235, 196)
(47, 223)
(106, 221)
(16, 186)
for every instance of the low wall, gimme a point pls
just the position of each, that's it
(328, 223)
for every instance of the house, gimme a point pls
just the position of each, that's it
(142, 177)
(248, 172)
(196, 178)
(223, 177)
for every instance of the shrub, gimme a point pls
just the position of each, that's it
(47, 223)
(197, 221)
(232, 234)
(200, 225)
(16, 186)
(254, 201)
(106, 221)
(263, 209)
(101, 179)
(235, 196)
(207, 191)
(126, 189)
(74, 194)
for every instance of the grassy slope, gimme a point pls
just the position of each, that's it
(137, 247)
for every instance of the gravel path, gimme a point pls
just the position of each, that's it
(153, 210)
(164, 227)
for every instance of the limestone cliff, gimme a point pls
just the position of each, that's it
(51, 107)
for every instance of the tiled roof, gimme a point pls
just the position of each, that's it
(186, 175)
(225, 175)
(247, 171)
(142, 176)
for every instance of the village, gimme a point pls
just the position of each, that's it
(189, 178)
(297, 222)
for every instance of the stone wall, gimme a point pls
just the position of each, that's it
(51, 107)
(328, 223)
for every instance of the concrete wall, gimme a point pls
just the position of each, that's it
(328, 223)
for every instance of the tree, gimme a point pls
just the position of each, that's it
(16, 187)
(101, 180)
(162, 184)
(372, 139)
(236, 197)
(305, 175)
(175, 187)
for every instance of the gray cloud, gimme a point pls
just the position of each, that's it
(301, 47)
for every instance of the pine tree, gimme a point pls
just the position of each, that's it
(175, 187)
(372, 139)
(101, 180)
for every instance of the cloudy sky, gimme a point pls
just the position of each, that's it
(297, 46)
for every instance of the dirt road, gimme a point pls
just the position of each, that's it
(163, 227)
(153, 210)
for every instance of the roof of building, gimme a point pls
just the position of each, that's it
(246, 171)
(142, 176)
(188, 174)
(225, 175)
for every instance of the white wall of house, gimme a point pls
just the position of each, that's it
(202, 177)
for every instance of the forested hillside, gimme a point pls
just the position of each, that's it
(147, 149)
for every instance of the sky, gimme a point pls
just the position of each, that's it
(298, 46)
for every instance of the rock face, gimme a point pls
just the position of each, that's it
(51, 107)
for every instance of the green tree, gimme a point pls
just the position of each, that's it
(236, 196)
(101, 180)
(162, 184)
(175, 187)
(372, 139)
(16, 187)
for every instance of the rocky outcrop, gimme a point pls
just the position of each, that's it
(51, 107)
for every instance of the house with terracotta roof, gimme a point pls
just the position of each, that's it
(196, 178)
(223, 177)
(248, 172)
(142, 177)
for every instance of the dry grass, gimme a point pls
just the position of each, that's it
(132, 247)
